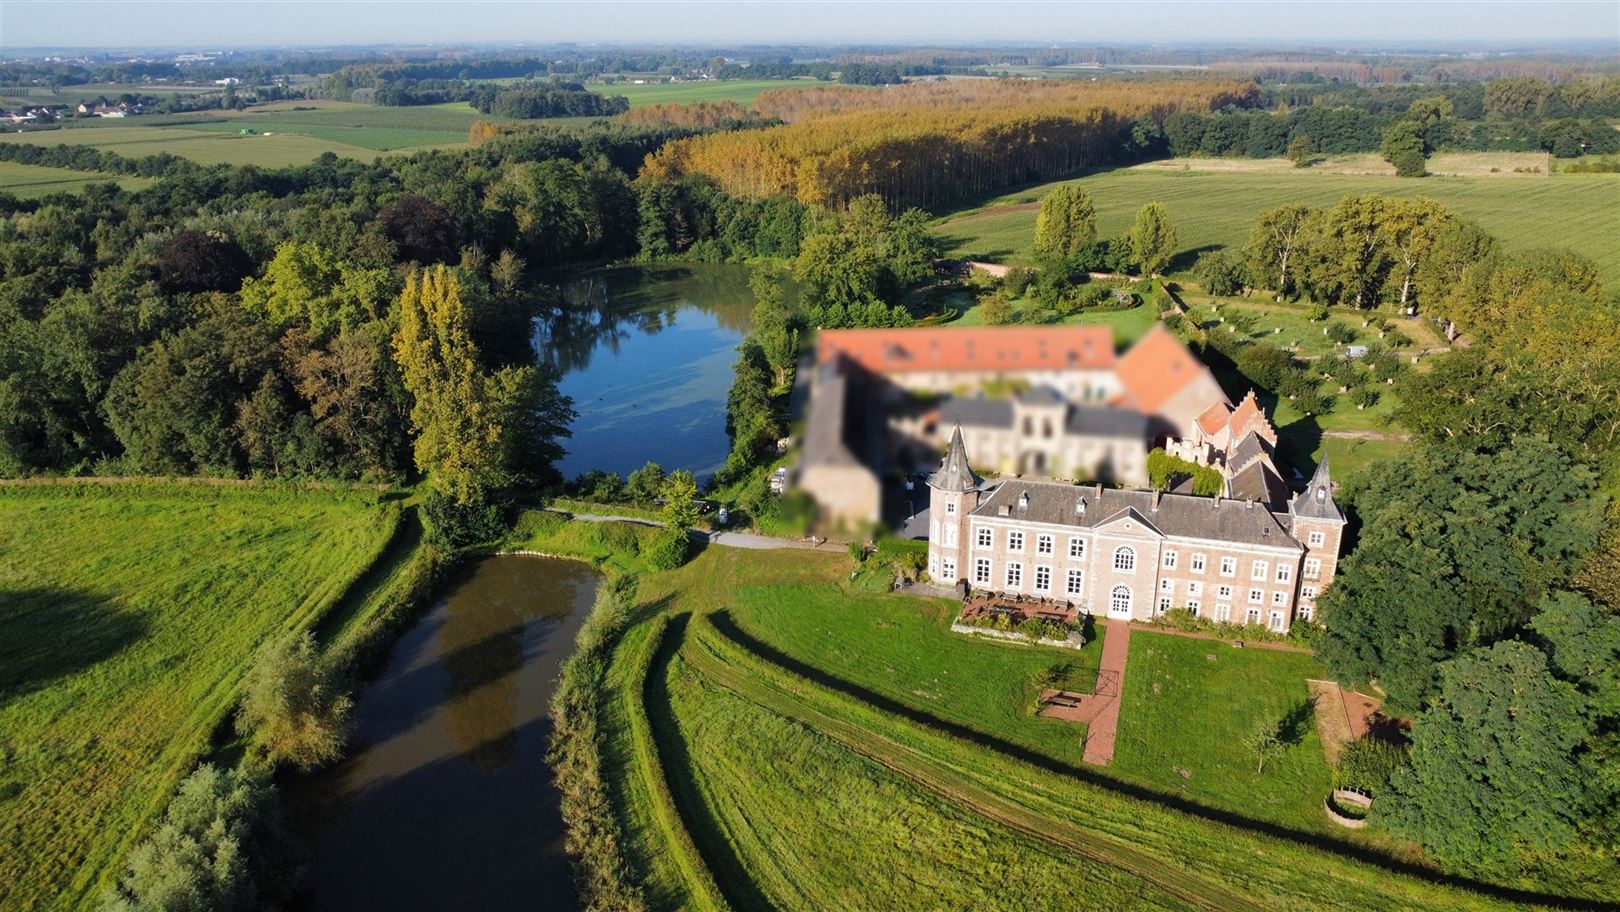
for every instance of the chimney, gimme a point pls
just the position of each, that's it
(1156, 495)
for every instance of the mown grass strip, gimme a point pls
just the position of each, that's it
(1274, 870)
(705, 893)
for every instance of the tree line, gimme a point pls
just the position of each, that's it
(925, 143)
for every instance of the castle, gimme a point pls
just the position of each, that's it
(1050, 401)
(1134, 554)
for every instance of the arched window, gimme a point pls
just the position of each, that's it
(1125, 558)
(1120, 601)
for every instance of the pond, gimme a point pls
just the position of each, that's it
(645, 352)
(445, 800)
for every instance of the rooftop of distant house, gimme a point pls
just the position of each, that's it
(990, 349)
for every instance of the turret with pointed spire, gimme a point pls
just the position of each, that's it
(954, 472)
(953, 494)
(1316, 501)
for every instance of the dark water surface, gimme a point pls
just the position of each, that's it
(445, 800)
(646, 352)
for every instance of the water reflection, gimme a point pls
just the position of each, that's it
(646, 353)
(446, 801)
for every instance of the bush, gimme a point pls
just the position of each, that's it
(1364, 396)
(1017, 280)
(1341, 333)
(1369, 764)
(450, 526)
(1221, 272)
(669, 550)
(1409, 163)
(293, 706)
(220, 847)
(1316, 312)
(1166, 471)
(996, 310)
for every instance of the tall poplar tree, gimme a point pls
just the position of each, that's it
(1066, 223)
(1153, 239)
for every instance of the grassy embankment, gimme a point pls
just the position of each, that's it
(34, 181)
(1213, 205)
(128, 615)
(785, 717)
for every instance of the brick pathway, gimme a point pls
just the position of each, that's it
(1099, 710)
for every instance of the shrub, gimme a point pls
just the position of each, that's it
(1341, 333)
(669, 550)
(1364, 396)
(1166, 471)
(1409, 163)
(1316, 311)
(996, 310)
(1017, 280)
(1369, 764)
(220, 847)
(1221, 272)
(450, 526)
(293, 706)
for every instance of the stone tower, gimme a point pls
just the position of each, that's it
(953, 493)
(1316, 522)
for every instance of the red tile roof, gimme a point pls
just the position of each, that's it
(1157, 368)
(1001, 348)
(1214, 418)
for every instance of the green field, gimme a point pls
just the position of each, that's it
(814, 744)
(73, 94)
(1216, 208)
(742, 91)
(128, 616)
(30, 181)
(1171, 679)
(284, 134)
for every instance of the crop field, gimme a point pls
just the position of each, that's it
(283, 134)
(30, 181)
(167, 590)
(1216, 208)
(763, 743)
(742, 91)
(73, 94)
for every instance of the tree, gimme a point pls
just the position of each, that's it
(1221, 272)
(1349, 259)
(1456, 550)
(1275, 244)
(293, 706)
(1066, 223)
(1265, 741)
(778, 337)
(1411, 229)
(1493, 762)
(307, 284)
(1301, 151)
(646, 483)
(996, 310)
(422, 231)
(455, 412)
(1153, 239)
(680, 500)
(220, 847)
(193, 261)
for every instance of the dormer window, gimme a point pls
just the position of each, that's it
(1080, 508)
(1023, 501)
(1321, 494)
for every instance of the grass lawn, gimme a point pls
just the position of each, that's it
(769, 793)
(127, 619)
(742, 91)
(768, 751)
(1216, 208)
(1170, 680)
(31, 181)
(901, 648)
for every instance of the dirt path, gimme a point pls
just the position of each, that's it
(1390, 436)
(1332, 719)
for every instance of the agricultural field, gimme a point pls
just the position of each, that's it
(73, 94)
(283, 134)
(774, 662)
(742, 91)
(168, 590)
(31, 181)
(1213, 204)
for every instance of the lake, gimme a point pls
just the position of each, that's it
(445, 800)
(645, 352)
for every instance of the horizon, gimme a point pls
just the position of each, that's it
(1494, 26)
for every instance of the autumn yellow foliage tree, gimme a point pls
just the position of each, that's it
(457, 408)
(922, 143)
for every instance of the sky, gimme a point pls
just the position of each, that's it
(324, 23)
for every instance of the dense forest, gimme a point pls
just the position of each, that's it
(927, 142)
